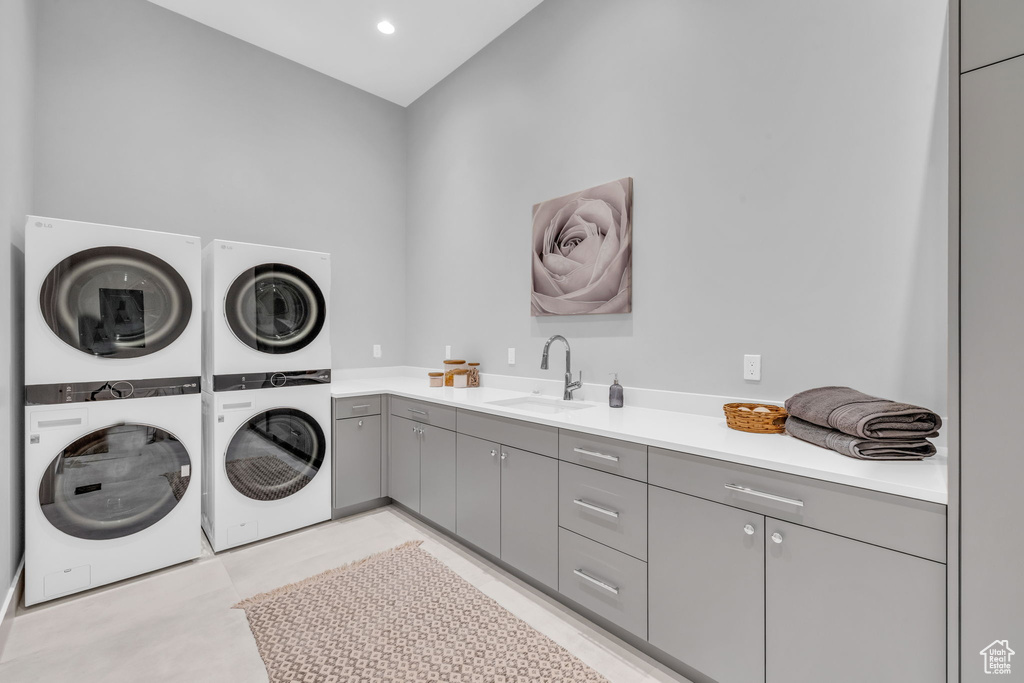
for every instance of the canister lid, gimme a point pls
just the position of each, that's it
(454, 362)
(473, 365)
(460, 371)
(435, 374)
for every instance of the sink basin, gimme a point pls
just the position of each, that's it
(538, 404)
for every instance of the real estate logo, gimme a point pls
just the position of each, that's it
(997, 657)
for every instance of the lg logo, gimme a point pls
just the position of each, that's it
(40, 224)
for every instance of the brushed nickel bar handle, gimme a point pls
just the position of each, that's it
(418, 412)
(762, 494)
(364, 406)
(597, 582)
(596, 508)
(595, 454)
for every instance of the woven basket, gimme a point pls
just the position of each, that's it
(772, 422)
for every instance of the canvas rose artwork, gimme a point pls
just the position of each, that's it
(582, 251)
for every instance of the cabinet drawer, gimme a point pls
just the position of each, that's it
(356, 406)
(608, 509)
(421, 411)
(605, 581)
(516, 433)
(601, 453)
(912, 526)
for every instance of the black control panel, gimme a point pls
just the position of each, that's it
(111, 390)
(270, 380)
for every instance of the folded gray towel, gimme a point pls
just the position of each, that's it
(856, 447)
(852, 412)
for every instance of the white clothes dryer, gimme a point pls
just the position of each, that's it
(112, 488)
(108, 302)
(265, 309)
(267, 459)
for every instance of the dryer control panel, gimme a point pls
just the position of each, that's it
(270, 380)
(111, 390)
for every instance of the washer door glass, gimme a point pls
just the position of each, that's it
(115, 481)
(275, 454)
(115, 302)
(275, 308)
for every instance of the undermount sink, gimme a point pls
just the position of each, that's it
(538, 404)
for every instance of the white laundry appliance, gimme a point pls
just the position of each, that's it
(265, 309)
(267, 457)
(112, 484)
(110, 303)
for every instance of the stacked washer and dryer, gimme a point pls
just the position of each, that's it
(128, 453)
(112, 417)
(266, 391)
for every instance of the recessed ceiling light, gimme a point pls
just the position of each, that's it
(386, 27)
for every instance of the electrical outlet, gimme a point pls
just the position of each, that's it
(752, 368)
(376, 351)
(511, 356)
(448, 352)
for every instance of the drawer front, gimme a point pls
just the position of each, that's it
(356, 406)
(912, 526)
(605, 581)
(423, 412)
(601, 453)
(516, 433)
(608, 509)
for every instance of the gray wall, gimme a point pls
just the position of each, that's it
(17, 33)
(150, 120)
(790, 164)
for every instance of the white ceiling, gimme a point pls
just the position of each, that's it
(340, 37)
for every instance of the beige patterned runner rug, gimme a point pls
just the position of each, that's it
(400, 615)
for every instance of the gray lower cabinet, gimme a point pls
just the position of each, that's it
(478, 493)
(356, 466)
(843, 611)
(437, 475)
(706, 582)
(529, 514)
(404, 467)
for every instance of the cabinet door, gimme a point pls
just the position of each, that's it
(478, 493)
(848, 612)
(991, 328)
(706, 585)
(356, 460)
(405, 462)
(437, 476)
(529, 514)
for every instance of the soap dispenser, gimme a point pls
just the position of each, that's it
(615, 393)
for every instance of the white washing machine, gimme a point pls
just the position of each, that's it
(112, 488)
(265, 309)
(267, 459)
(107, 302)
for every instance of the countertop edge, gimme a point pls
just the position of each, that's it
(364, 387)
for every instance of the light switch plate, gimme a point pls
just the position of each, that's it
(511, 356)
(376, 351)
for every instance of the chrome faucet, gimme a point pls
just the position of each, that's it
(570, 386)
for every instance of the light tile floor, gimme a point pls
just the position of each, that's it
(177, 624)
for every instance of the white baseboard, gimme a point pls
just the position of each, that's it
(10, 605)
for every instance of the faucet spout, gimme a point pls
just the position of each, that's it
(570, 385)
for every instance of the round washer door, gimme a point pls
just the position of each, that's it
(275, 454)
(115, 481)
(115, 302)
(275, 308)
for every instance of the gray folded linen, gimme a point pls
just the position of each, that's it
(857, 447)
(869, 417)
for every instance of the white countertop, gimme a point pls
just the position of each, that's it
(697, 434)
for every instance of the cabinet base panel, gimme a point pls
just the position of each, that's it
(340, 513)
